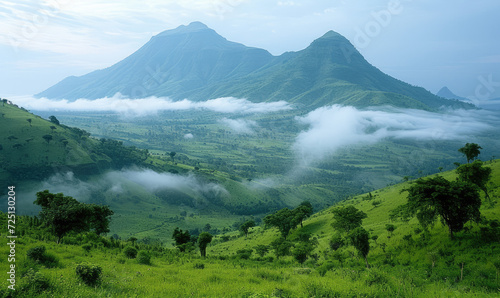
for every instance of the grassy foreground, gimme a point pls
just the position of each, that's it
(408, 262)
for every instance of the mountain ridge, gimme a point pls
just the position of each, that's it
(196, 63)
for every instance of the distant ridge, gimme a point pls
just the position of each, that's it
(448, 94)
(195, 62)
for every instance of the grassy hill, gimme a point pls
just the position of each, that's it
(33, 148)
(409, 262)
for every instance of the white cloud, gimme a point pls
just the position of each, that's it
(150, 105)
(240, 126)
(188, 136)
(335, 127)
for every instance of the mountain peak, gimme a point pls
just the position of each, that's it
(183, 29)
(445, 92)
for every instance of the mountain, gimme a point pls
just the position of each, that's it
(170, 64)
(195, 62)
(448, 94)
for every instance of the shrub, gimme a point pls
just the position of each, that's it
(87, 247)
(130, 252)
(199, 266)
(36, 253)
(325, 267)
(244, 253)
(39, 254)
(35, 282)
(143, 257)
(90, 274)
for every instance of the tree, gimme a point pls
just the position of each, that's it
(347, 218)
(455, 202)
(29, 120)
(303, 211)
(181, 239)
(476, 174)
(63, 214)
(281, 247)
(470, 150)
(203, 240)
(54, 120)
(47, 138)
(246, 226)
(261, 250)
(283, 220)
(172, 154)
(359, 238)
(207, 228)
(100, 218)
(390, 228)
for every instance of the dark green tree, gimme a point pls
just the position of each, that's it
(347, 218)
(261, 250)
(29, 120)
(47, 138)
(303, 211)
(455, 202)
(182, 239)
(172, 154)
(390, 228)
(246, 226)
(203, 240)
(63, 214)
(281, 247)
(283, 220)
(470, 150)
(476, 174)
(54, 120)
(360, 239)
(100, 218)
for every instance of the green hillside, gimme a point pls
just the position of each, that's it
(33, 148)
(409, 262)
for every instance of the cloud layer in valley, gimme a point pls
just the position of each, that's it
(334, 127)
(240, 126)
(150, 105)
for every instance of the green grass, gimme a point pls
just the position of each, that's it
(403, 268)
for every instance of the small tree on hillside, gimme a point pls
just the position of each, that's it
(203, 240)
(283, 220)
(476, 174)
(182, 239)
(360, 239)
(303, 211)
(54, 120)
(470, 150)
(47, 138)
(246, 226)
(172, 154)
(347, 218)
(456, 202)
(63, 214)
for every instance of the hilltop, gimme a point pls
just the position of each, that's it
(196, 63)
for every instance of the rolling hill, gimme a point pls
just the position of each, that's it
(405, 262)
(196, 63)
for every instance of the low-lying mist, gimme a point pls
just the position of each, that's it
(150, 105)
(334, 127)
(118, 183)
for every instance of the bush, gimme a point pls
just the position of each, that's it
(244, 254)
(39, 254)
(143, 257)
(90, 274)
(199, 266)
(36, 253)
(35, 282)
(130, 252)
(87, 247)
(325, 267)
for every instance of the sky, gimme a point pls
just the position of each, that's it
(432, 44)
